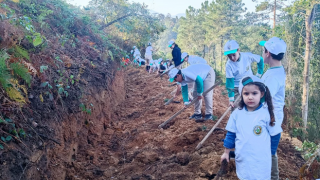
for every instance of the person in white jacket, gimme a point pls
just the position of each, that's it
(151, 65)
(136, 55)
(155, 65)
(192, 59)
(204, 77)
(148, 55)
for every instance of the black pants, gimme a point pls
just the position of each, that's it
(147, 68)
(143, 63)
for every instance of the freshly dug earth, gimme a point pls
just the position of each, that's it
(133, 147)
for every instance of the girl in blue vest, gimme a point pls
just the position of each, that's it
(249, 129)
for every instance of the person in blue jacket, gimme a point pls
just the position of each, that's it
(176, 54)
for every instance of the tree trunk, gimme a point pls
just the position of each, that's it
(112, 22)
(308, 22)
(221, 54)
(274, 15)
(213, 58)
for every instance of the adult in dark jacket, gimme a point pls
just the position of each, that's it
(176, 54)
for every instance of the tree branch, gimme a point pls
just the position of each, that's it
(114, 21)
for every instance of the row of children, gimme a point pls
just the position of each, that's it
(152, 65)
(254, 129)
(137, 60)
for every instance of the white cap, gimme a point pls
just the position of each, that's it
(172, 73)
(183, 55)
(275, 45)
(231, 47)
(170, 43)
(160, 59)
(134, 47)
(254, 79)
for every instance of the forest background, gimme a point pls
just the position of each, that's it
(204, 32)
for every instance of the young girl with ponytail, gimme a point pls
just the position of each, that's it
(249, 131)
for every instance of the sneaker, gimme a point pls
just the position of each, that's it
(208, 117)
(195, 116)
(198, 118)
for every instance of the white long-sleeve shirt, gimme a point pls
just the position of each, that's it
(136, 53)
(196, 60)
(149, 50)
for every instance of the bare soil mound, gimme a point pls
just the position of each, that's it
(139, 150)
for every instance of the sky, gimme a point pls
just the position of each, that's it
(173, 7)
(179, 6)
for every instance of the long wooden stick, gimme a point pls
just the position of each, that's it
(170, 85)
(180, 111)
(214, 127)
(160, 75)
(174, 92)
(166, 72)
(169, 101)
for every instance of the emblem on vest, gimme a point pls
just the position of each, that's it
(257, 130)
(229, 47)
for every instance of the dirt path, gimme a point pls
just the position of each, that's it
(137, 149)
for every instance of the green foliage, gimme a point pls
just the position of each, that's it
(262, 6)
(85, 109)
(204, 128)
(171, 25)
(214, 118)
(21, 71)
(22, 133)
(4, 73)
(8, 82)
(10, 12)
(308, 149)
(44, 84)
(43, 68)
(110, 54)
(33, 36)
(86, 20)
(37, 39)
(11, 129)
(61, 90)
(6, 139)
(21, 52)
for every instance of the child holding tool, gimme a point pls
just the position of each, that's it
(249, 130)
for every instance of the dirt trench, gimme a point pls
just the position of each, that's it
(121, 139)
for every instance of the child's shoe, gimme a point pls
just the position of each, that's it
(195, 116)
(208, 117)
